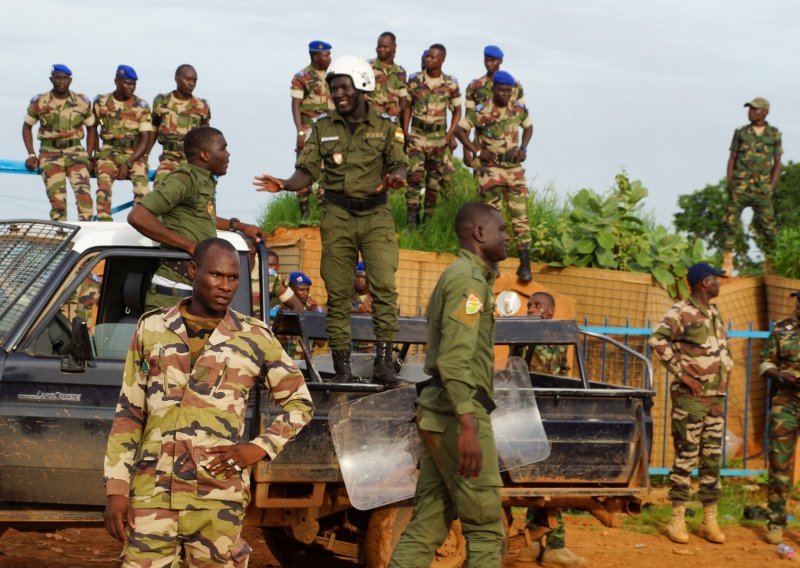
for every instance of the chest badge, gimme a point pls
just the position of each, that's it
(210, 207)
(473, 305)
(338, 158)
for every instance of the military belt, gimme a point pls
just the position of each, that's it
(60, 143)
(353, 204)
(428, 127)
(172, 146)
(122, 142)
(167, 291)
(481, 396)
(179, 266)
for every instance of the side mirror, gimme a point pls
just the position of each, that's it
(80, 351)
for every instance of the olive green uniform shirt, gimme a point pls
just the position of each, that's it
(353, 164)
(186, 204)
(460, 336)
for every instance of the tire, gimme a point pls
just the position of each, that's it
(384, 530)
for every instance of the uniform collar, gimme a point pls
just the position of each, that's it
(196, 171)
(706, 312)
(489, 272)
(371, 116)
(230, 322)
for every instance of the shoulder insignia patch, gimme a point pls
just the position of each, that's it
(473, 305)
(399, 136)
(412, 77)
(35, 98)
(320, 117)
(300, 74)
(387, 116)
(143, 104)
(479, 108)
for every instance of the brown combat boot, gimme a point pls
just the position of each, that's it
(709, 529)
(528, 556)
(775, 535)
(676, 527)
(562, 557)
(727, 262)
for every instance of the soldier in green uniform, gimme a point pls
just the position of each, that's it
(357, 155)
(754, 167)
(431, 94)
(552, 360)
(174, 114)
(780, 363)
(183, 212)
(62, 115)
(125, 126)
(479, 91)
(390, 95)
(691, 342)
(175, 471)
(458, 469)
(310, 98)
(501, 178)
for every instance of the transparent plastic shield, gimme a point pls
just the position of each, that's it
(518, 430)
(377, 445)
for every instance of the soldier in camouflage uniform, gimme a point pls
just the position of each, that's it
(780, 363)
(125, 126)
(362, 304)
(479, 91)
(358, 157)
(390, 94)
(431, 94)
(691, 342)
(497, 145)
(62, 115)
(754, 167)
(310, 99)
(174, 114)
(176, 478)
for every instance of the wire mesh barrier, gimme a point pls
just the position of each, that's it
(746, 406)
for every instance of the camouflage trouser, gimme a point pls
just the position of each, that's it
(783, 428)
(428, 163)
(698, 426)
(58, 165)
(107, 165)
(208, 537)
(168, 161)
(742, 194)
(538, 518)
(496, 185)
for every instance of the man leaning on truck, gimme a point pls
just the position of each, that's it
(176, 465)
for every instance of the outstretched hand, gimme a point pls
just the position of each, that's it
(268, 183)
(391, 181)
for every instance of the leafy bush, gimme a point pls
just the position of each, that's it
(786, 260)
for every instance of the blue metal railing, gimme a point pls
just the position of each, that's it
(749, 336)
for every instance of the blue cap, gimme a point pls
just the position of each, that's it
(299, 278)
(360, 268)
(127, 72)
(317, 45)
(796, 295)
(424, 54)
(700, 270)
(61, 68)
(503, 78)
(493, 51)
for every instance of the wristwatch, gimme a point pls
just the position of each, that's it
(301, 133)
(129, 164)
(231, 222)
(478, 154)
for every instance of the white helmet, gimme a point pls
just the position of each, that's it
(354, 67)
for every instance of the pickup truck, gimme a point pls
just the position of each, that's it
(70, 297)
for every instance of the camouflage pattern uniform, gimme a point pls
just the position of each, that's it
(691, 339)
(782, 352)
(430, 99)
(170, 411)
(390, 87)
(460, 352)
(751, 185)
(497, 129)
(479, 92)
(354, 218)
(121, 125)
(549, 359)
(61, 155)
(310, 86)
(176, 118)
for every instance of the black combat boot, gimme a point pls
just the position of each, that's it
(341, 366)
(305, 210)
(413, 218)
(524, 270)
(384, 372)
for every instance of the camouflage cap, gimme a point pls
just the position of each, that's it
(758, 102)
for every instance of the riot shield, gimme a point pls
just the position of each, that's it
(377, 445)
(518, 430)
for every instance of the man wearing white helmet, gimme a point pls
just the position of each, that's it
(357, 156)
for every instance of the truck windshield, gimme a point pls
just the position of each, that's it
(30, 251)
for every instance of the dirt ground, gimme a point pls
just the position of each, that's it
(603, 547)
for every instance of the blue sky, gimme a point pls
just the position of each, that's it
(656, 87)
